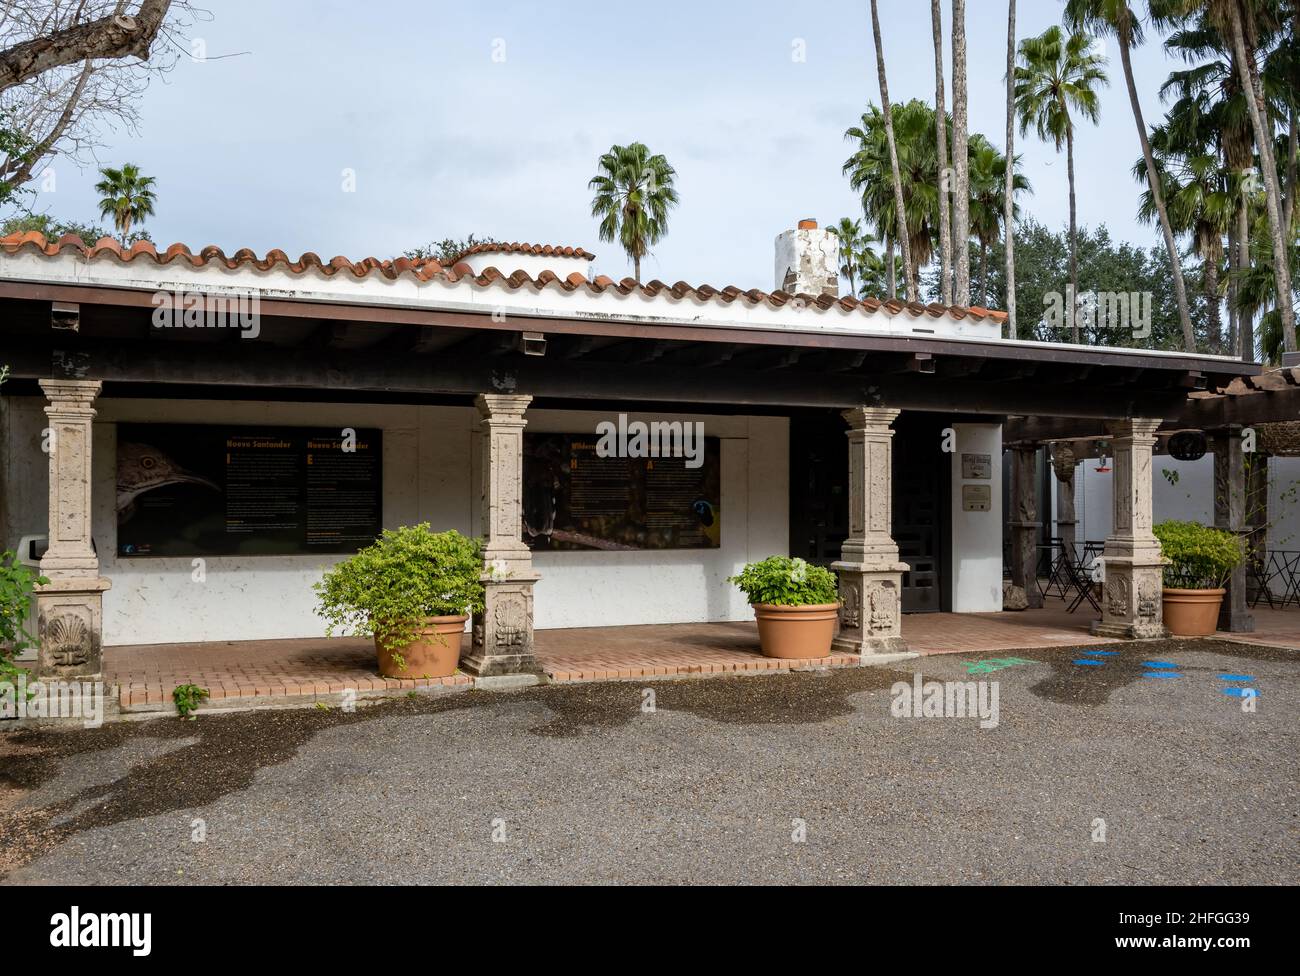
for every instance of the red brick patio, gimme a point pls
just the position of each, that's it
(322, 669)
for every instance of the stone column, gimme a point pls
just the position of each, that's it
(1130, 602)
(503, 632)
(871, 577)
(1063, 464)
(1024, 523)
(1230, 514)
(69, 608)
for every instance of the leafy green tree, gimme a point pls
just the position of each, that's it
(634, 193)
(1104, 267)
(125, 195)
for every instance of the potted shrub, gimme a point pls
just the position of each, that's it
(412, 590)
(1199, 561)
(795, 603)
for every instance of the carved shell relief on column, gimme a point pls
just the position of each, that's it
(1149, 599)
(67, 641)
(1117, 595)
(884, 608)
(850, 607)
(510, 622)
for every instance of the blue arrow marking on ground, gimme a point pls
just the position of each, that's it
(1159, 664)
(1161, 674)
(1242, 692)
(1093, 664)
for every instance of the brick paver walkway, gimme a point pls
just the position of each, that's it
(317, 667)
(310, 667)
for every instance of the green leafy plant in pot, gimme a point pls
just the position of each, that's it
(412, 590)
(795, 603)
(1199, 561)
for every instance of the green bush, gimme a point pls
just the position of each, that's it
(1199, 557)
(785, 582)
(17, 584)
(406, 575)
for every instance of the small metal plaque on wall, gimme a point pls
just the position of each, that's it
(977, 466)
(976, 498)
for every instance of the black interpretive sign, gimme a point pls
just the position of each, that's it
(578, 495)
(206, 489)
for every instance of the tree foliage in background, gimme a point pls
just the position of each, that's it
(1105, 265)
(447, 250)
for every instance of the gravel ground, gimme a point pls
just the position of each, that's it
(579, 783)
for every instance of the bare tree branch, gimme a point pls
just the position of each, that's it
(112, 37)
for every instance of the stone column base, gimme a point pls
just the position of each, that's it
(871, 612)
(1130, 600)
(503, 632)
(70, 628)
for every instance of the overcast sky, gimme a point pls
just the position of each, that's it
(488, 118)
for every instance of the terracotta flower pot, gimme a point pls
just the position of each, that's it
(1191, 613)
(434, 653)
(796, 632)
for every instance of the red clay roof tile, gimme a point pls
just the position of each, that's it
(428, 269)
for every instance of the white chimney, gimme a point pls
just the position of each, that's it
(808, 261)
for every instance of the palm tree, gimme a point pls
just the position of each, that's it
(851, 242)
(126, 196)
(1243, 30)
(1199, 203)
(634, 192)
(1059, 75)
(1115, 17)
(960, 156)
(871, 273)
(988, 204)
(1211, 107)
(870, 172)
(1257, 289)
(1008, 192)
(900, 208)
(941, 137)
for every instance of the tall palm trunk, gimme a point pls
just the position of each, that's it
(1289, 219)
(1231, 347)
(1009, 218)
(1157, 197)
(1246, 323)
(984, 272)
(897, 176)
(941, 138)
(1073, 295)
(1214, 317)
(960, 156)
(1253, 90)
(891, 271)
